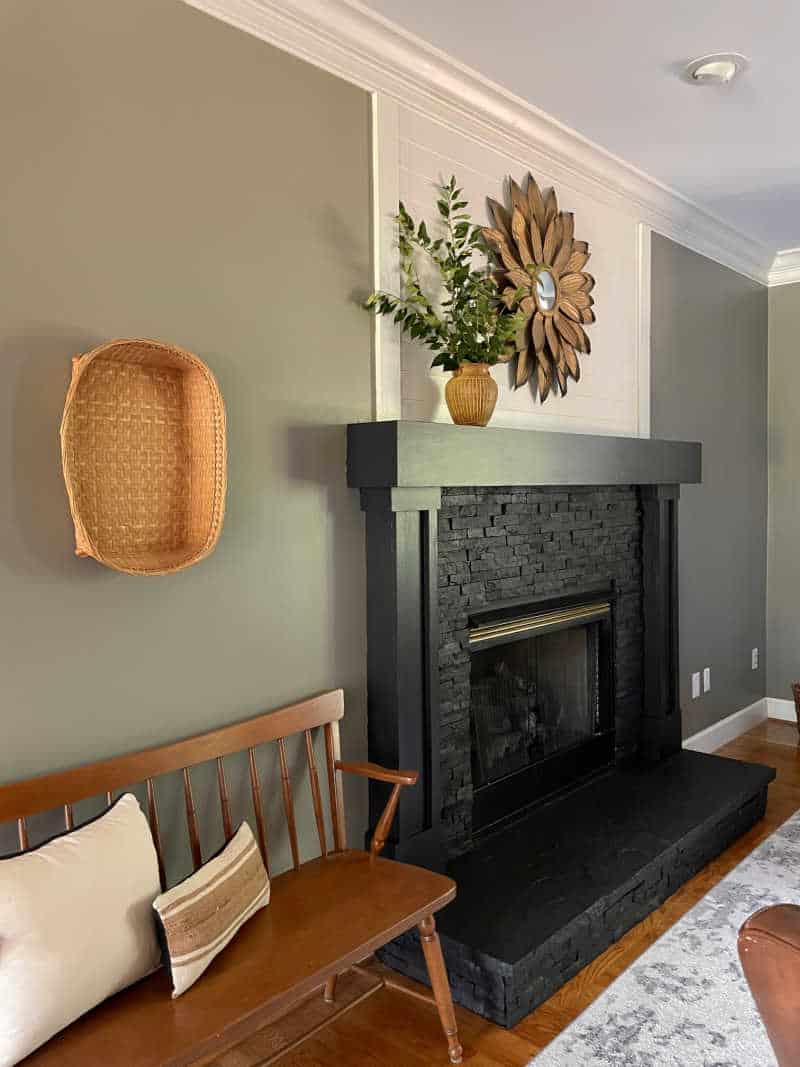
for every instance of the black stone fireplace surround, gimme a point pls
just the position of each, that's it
(467, 528)
(504, 551)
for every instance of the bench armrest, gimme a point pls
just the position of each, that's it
(380, 774)
(397, 779)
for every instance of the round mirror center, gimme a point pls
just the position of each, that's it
(545, 290)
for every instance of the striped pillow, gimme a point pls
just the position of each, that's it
(203, 914)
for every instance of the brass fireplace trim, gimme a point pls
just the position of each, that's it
(495, 632)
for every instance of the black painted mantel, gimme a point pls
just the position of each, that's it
(412, 455)
(401, 468)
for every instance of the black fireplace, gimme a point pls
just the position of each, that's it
(541, 701)
(522, 616)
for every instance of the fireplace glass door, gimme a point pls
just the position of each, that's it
(541, 705)
(533, 698)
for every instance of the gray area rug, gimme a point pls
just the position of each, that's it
(685, 1001)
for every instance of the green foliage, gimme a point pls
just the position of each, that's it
(471, 323)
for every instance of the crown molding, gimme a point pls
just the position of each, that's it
(360, 46)
(785, 268)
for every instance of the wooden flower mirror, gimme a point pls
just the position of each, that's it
(537, 253)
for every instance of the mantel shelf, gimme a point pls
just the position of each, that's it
(427, 454)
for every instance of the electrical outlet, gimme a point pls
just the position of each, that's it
(754, 659)
(695, 685)
(706, 679)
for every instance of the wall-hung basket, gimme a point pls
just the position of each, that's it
(144, 456)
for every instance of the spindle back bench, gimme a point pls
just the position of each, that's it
(325, 915)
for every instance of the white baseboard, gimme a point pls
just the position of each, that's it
(781, 709)
(732, 726)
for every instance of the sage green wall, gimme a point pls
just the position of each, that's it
(167, 176)
(783, 584)
(709, 384)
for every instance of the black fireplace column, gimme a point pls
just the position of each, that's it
(402, 662)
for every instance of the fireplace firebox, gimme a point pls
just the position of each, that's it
(541, 701)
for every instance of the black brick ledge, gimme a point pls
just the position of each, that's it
(496, 964)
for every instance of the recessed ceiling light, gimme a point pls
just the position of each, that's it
(719, 68)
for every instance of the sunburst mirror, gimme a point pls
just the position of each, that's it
(537, 253)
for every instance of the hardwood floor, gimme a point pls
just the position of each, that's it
(391, 1029)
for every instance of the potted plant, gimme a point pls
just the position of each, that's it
(467, 325)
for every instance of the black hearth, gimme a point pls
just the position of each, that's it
(542, 898)
(541, 701)
(553, 786)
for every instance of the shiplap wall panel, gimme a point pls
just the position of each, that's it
(607, 398)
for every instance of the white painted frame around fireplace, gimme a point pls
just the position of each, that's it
(614, 396)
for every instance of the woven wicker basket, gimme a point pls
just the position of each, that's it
(144, 457)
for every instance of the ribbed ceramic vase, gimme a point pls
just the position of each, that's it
(471, 394)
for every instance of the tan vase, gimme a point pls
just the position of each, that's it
(471, 394)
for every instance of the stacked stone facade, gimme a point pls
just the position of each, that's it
(498, 545)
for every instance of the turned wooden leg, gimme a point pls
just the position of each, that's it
(330, 989)
(440, 984)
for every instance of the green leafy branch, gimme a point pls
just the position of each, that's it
(472, 324)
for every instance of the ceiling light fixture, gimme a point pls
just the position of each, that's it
(719, 68)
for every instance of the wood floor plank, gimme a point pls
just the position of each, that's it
(777, 731)
(391, 1029)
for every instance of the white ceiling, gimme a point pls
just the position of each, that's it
(609, 70)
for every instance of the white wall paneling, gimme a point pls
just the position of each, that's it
(607, 399)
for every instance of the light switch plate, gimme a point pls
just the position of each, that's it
(706, 679)
(695, 685)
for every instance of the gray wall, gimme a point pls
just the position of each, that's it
(709, 384)
(783, 584)
(167, 176)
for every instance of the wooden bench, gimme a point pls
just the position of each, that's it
(325, 915)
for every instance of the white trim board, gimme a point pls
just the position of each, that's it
(387, 351)
(781, 709)
(355, 43)
(785, 268)
(643, 318)
(729, 728)
(733, 726)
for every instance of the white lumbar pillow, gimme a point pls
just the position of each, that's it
(76, 925)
